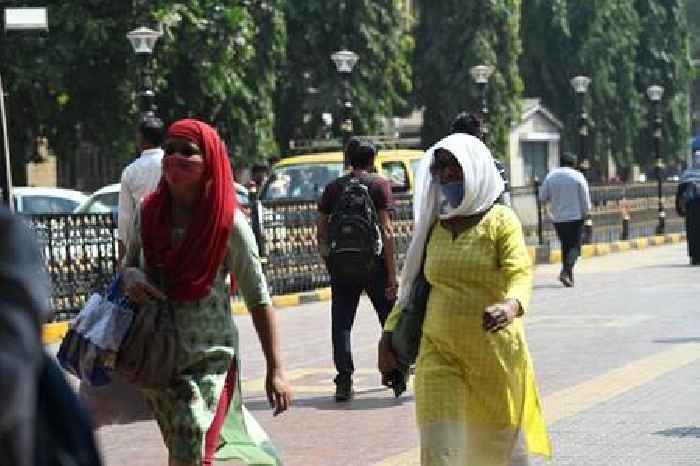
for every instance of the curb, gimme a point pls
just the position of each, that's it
(543, 255)
(54, 332)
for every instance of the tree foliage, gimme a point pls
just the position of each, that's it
(622, 45)
(663, 58)
(75, 79)
(451, 37)
(309, 83)
(217, 62)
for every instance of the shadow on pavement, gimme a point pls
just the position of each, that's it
(328, 403)
(678, 340)
(681, 432)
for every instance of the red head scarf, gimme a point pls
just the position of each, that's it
(191, 266)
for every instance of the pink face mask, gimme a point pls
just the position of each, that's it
(180, 170)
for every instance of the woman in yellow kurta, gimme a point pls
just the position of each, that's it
(476, 398)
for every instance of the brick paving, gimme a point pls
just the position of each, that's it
(625, 307)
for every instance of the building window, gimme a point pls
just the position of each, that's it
(535, 155)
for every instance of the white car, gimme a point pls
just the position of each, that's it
(39, 200)
(106, 200)
(103, 201)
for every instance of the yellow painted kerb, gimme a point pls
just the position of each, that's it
(54, 332)
(588, 250)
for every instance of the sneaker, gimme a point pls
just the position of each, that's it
(343, 389)
(566, 279)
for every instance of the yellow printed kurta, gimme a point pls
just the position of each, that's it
(476, 398)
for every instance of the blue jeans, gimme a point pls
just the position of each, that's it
(346, 297)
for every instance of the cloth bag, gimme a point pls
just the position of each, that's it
(147, 357)
(90, 348)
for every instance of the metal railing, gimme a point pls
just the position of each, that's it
(80, 250)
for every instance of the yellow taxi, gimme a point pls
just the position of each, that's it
(303, 177)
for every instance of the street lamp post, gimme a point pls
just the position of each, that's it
(655, 93)
(580, 85)
(480, 75)
(345, 61)
(143, 40)
(16, 19)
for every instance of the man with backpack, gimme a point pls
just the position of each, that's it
(356, 239)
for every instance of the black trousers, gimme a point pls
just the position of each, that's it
(569, 234)
(346, 297)
(692, 228)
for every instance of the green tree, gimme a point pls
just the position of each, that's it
(663, 58)
(310, 85)
(596, 38)
(218, 62)
(452, 36)
(74, 76)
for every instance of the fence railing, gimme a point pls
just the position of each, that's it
(80, 250)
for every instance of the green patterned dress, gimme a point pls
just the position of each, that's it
(208, 346)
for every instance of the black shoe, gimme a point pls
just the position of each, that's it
(566, 279)
(695, 261)
(343, 389)
(399, 382)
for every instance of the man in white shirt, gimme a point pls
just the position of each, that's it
(141, 177)
(566, 190)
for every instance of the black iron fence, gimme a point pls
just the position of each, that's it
(81, 256)
(80, 250)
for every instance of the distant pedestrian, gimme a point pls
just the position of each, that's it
(140, 177)
(472, 123)
(191, 234)
(566, 190)
(259, 174)
(41, 421)
(688, 206)
(356, 238)
(477, 402)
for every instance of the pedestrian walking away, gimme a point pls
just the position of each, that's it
(356, 239)
(688, 206)
(140, 177)
(566, 191)
(477, 402)
(191, 234)
(41, 420)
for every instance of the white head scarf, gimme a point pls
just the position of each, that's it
(482, 186)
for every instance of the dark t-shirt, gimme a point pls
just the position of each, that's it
(379, 191)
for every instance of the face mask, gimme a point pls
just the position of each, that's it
(179, 170)
(453, 193)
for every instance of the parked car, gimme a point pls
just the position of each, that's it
(39, 200)
(106, 200)
(303, 177)
(103, 201)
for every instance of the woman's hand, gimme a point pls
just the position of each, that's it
(279, 392)
(136, 286)
(387, 360)
(500, 315)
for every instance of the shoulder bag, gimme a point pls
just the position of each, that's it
(406, 336)
(148, 354)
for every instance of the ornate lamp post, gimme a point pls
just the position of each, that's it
(655, 93)
(480, 75)
(580, 85)
(345, 61)
(143, 40)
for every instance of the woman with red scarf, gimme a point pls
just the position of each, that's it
(191, 230)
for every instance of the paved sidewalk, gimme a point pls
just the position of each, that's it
(617, 359)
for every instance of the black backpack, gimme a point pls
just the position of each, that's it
(354, 236)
